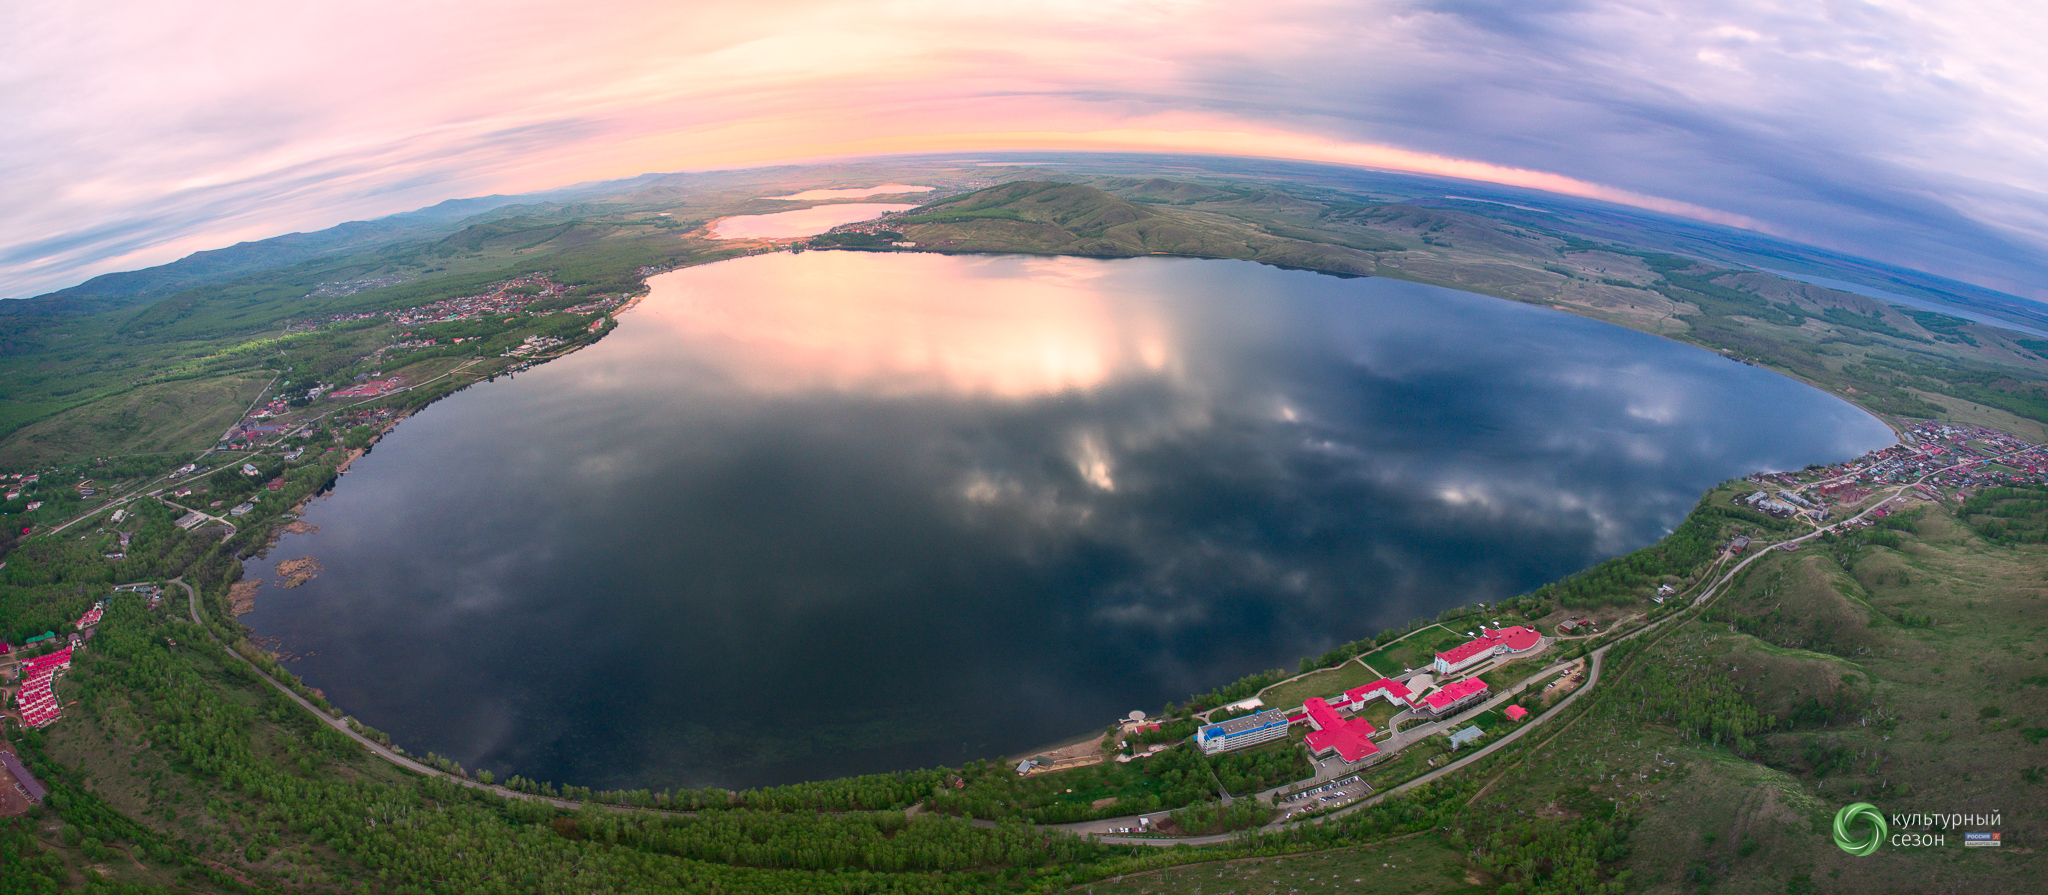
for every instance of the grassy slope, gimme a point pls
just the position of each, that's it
(186, 415)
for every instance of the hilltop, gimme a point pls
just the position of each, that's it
(1075, 219)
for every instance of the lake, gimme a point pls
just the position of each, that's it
(887, 189)
(808, 515)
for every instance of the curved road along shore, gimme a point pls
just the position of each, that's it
(376, 748)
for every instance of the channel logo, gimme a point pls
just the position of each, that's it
(1983, 840)
(1865, 816)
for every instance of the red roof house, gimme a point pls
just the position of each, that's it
(1350, 738)
(1499, 640)
(1454, 695)
(1394, 691)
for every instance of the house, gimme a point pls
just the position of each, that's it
(1467, 735)
(1350, 739)
(251, 471)
(1452, 697)
(1392, 691)
(1516, 713)
(1497, 642)
(30, 786)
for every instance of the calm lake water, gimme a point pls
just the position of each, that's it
(803, 516)
(887, 189)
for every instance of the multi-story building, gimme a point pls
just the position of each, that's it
(1238, 733)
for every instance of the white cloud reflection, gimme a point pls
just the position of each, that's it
(991, 327)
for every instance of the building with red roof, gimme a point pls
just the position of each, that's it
(1390, 690)
(1515, 713)
(37, 700)
(1497, 642)
(1350, 738)
(1454, 696)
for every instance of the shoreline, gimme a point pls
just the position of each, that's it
(290, 517)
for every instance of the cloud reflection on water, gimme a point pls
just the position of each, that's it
(974, 503)
(1038, 328)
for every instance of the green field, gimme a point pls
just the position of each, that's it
(1408, 866)
(182, 416)
(1327, 682)
(1415, 651)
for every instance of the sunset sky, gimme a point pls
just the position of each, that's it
(1909, 132)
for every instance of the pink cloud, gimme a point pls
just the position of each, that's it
(140, 129)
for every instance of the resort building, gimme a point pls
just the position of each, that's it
(1238, 733)
(1350, 738)
(1392, 691)
(1452, 697)
(1497, 642)
(37, 700)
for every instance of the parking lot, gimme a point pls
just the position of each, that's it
(1335, 794)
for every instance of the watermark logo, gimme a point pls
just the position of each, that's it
(1865, 815)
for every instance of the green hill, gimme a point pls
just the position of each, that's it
(1075, 219)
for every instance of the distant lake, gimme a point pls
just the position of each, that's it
(803, 516)
(801, 222)
(887, 189)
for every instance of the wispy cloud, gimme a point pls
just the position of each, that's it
(1913, 132)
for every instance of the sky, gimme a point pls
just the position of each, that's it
(1909, 132)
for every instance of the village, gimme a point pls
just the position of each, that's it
(327, 419)
(28, 676)
(1956, 460)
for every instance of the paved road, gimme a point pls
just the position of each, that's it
(139, 491)
(376, 748)
(143, 490)
(207, 516)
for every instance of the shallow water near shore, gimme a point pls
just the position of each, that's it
(803, 516)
